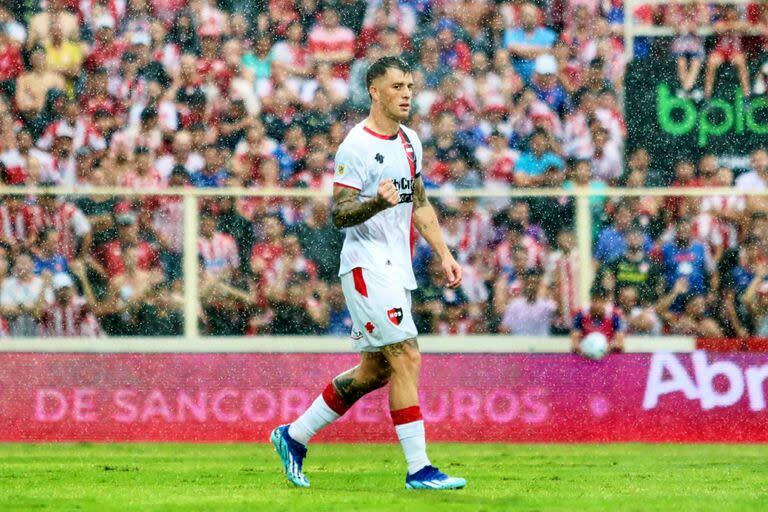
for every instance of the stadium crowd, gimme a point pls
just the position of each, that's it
(194, 93)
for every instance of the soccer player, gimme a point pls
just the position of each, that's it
(378, 195)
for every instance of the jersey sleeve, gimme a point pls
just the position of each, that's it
(348, 169)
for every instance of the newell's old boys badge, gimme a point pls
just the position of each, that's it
(395, 315)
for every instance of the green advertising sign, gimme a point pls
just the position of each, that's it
(673, 128)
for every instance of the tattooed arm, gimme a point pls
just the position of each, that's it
(349, 211)
(425, 220)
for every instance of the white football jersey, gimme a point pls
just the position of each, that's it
(384, 241)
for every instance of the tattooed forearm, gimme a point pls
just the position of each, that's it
(419, 194)
(348, 211)
(398, 349)
(351, 387)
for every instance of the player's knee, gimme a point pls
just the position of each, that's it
(408, 362)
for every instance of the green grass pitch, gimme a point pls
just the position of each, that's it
(210, 477)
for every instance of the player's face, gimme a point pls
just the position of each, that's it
(394, 91)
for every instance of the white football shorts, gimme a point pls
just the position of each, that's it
(380, 308)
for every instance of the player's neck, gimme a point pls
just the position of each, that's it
(379, 122)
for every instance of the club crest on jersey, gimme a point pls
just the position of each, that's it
(341, 169)
(379, 158)
(395, 315)
(369, 327)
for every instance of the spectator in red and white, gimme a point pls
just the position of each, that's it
(562, 275)
(84, 132)
(606, 159)
(728, 49)
(475, 228)
(218, 251)
(24, 163)
(18, 231)
(69, 222)
(332, 43)
(165, 109)
(755, 179)
(293, 52)
(146, 133)
(716, 219)
(63, 168)
(580, 35)
(142, 175)
(19, 296)
(70, 315)
(111, 255)
(317, 173)
(54, 13)
(11, 63)
(451, 100)
(266, 254)
(181, 154)
(96, 96)
(107, 50)
(577, 142)
(498, 160)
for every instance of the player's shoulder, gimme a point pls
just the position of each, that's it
(354, 143)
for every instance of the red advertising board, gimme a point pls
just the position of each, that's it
(465, 397)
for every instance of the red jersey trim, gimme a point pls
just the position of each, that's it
(336, 183)
(357, 276)
(380, 135)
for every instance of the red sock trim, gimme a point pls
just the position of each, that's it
(334, 401)
(407, 415)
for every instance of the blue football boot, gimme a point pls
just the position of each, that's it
(291, 454)
(429, 477)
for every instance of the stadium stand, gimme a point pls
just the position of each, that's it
(511, 97)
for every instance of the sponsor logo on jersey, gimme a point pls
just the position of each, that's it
(395, 315)
(357, 335)
(379, 158)
(405, 187)
(369, 327)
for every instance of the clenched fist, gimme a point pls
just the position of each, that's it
(387, 195)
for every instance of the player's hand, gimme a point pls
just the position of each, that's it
(387, 195)
(452, 271)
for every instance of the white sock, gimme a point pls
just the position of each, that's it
(414, 443)
(318, 416)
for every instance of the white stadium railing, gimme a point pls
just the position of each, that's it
(192, 341)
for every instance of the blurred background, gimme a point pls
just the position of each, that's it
(167, 166)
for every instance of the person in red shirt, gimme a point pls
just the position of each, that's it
(332, 43)
(111, 255)
(11, 63)
(452, 101)
(265, 255)
(107, 51)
